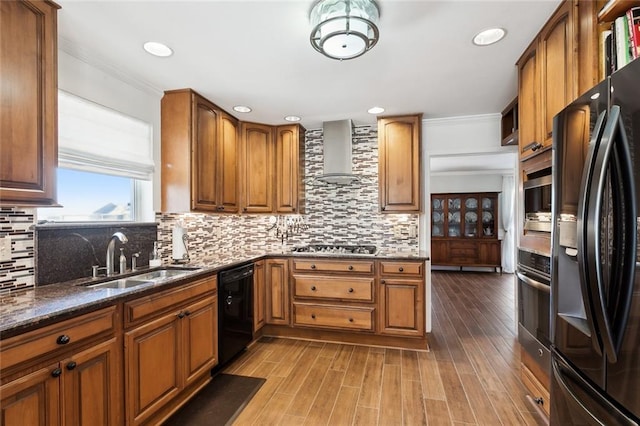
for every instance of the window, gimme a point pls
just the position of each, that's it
(105, 164)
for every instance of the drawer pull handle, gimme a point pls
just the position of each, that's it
(401, 269)
(313, 288)
(313, 316)
(56, 373)
(71, 365)
(63, 339)
(350, 290)
(313, 266)
(351, 267)
(350, 319)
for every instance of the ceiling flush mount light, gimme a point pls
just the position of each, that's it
(375, 110)
(241, 108)
(292, 118)
(490, 36)
(157, 49)
(344, 29)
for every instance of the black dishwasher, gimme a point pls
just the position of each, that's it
(235, 312)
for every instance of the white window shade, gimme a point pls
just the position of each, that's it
(98, 139)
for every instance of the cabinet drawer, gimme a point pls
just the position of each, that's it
(330, 316)
(402, 268)
(333, 265)
(146, 307)
(61, 335)
(348, 288)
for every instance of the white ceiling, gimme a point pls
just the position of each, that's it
(257, 53)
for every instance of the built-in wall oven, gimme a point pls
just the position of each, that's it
(534, 291)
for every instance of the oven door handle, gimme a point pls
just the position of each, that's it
(533, 283)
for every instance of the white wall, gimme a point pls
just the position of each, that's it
(467, 182)
(81, 78)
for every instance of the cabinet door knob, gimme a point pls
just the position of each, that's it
(313, 288)
(71, 365)
(56, 373)
(383, 282)
(350, 290)
(313, 266)
(382, 208)
(181, 315)
(313, 316)
(63, 339)
(244, 209)
(351, 267)
(187, 313)
(293, 209)
(401, 269)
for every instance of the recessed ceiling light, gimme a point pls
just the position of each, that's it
(375, 110)
(490, 36)
(157, 49)
(241, 108)
(292, 118)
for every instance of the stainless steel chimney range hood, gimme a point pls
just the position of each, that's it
(337, 153)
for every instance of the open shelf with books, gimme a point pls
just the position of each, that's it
(620, 36)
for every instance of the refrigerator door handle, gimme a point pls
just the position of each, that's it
(625, 236)
(584, 217)
(570, 382)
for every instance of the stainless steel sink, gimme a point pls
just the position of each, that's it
(149, 277)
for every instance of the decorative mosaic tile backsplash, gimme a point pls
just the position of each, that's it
(335, 214)
(19, 271)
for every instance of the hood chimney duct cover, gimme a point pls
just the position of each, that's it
(337, 152)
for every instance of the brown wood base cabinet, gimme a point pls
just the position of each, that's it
(277, 291)
(464, 230)
(171, 349)
(68, 373)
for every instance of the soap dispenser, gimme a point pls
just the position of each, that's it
(123, 262)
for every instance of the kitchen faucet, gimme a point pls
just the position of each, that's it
(110, 249)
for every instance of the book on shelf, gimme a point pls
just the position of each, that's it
(633, 25)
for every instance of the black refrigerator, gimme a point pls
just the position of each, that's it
(595, 285)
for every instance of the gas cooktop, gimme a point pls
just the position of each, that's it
(336, 249)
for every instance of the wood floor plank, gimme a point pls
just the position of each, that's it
(260, 401)
(437, 412)
(357, 364)
(372, 381)
(430, 376)
(342, 358)
(481, 405)
(410, 368)
(391, 397)
(345, 406)
(456, 397)
(413, 412)
(329, 350)
(294, 380)
(264, 369)
(289, 360)
(392, 356)
(326, 399)
(277, 406)
(366, 416)
(505, 408)
(305, 396)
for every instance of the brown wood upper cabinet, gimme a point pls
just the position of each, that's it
(399, 163)
(273, 168)
(29, 133)
(548, 78)
(200, 155)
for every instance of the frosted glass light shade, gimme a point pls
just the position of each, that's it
(344, 29)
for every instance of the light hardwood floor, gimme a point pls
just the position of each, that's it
(469, 376)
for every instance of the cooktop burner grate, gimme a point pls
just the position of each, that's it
(336, 248)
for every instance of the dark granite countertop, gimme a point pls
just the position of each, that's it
(26, 309)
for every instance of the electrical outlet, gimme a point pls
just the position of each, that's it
(413, 231)
(5, 249)
(397, 231)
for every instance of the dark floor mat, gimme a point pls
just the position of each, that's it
(218, 403)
